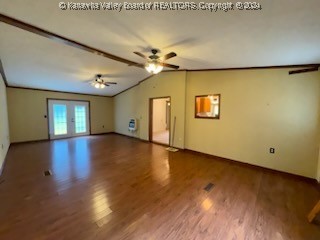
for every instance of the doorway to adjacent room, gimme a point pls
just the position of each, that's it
(159, 120)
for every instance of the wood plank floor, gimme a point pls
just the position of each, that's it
(114, 187)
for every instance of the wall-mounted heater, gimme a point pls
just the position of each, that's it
(132, 125)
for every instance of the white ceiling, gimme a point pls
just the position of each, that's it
(284, 32)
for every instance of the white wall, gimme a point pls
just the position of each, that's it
(159, 114)
(4, 125)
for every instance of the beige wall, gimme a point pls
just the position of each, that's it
(259, 109)
(125, 107)
(318, 171)
(135, 103)
(159, 114)
(4, 126)
(27, 109)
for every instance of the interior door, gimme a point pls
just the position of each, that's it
(68, 118)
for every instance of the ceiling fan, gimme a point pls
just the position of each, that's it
(154, 64)
(98, 82)
(308, 69)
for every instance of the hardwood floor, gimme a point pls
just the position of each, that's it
(114, 187)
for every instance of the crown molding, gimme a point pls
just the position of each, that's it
(46, 90)
(228, 69)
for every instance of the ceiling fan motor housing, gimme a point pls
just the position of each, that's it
(154, 56)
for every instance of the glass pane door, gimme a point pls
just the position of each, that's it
(68, 118)
(60, 119)
(80, 118)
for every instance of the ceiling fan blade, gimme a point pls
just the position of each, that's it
(106, 84)
(111, 83)
(169, 55)
(141, 55)
(169, 65)
(313, 69)
(109, 76)
(137, 65)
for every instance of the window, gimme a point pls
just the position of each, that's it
(80, 119)
(60, 119)
(207, 106)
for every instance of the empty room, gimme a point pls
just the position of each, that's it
(160, 120)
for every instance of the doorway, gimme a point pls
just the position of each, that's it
(159, 120)
(68, 118)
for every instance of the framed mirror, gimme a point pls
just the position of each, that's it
(207, 106)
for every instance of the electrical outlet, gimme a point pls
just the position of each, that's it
(2, 146)
(271, 150)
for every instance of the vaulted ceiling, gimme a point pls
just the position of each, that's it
(284, 32)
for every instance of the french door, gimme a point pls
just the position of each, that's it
(68, 118)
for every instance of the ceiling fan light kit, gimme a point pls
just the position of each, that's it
(100, 83)
(153, 67)
(155, 63)
(97, 84)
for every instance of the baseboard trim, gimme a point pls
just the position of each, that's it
(30, 141)
(3, 164)
(4, 161)
(97, 134)
(143, 140)
(46, 139)
(146, 141)
(231, 161)
(130, 136)
(265, 169)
